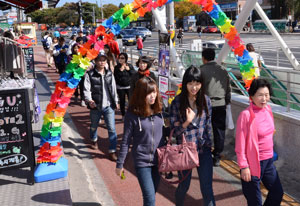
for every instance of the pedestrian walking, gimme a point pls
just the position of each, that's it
(47, 41)
(71, 43)
(144, 64)
(52, 47)
(60, 55)
(190, 114)
(139, 44)
(217, 87)
(123, 73)
(100, 93)
(84, 38)
(111, 59)
(114, 47)
(80, 86)
(180, 35)
(199, 31)
(254, 147)
(256, 59)
(143, 128)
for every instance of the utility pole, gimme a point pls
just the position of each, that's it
(80, 15)
(94, 18)
(101, 7)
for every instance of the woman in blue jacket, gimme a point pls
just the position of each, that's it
(143, 128)
(190, 114)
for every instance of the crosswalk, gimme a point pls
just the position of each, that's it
(266, 45)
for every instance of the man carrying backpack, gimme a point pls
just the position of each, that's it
(47, 41)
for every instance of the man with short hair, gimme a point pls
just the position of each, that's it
(100, 93)
(84, 38)
(217, 87)
(60, 55)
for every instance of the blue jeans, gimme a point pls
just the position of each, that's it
(205, 174)
(149, 180)
(109, 118)
(140, 52)
(271, 181)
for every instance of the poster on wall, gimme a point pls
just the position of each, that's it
(164, 60)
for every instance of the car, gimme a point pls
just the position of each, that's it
(143, 30)
(136, 33)
(128, 38)
(210, 29)
(215, 44)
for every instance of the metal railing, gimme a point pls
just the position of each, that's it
(285, 81)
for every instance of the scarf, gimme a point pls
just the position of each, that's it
(145, 73)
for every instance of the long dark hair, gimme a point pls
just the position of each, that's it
(137, 103)
(192, 74)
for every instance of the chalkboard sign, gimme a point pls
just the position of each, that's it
(16, 143)
(29, 59)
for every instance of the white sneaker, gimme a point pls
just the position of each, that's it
(83, 103)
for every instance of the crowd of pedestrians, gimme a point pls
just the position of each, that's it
(198, 112)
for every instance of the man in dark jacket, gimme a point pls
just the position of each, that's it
(101, 96)
(217, 87)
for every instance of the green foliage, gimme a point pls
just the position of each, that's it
(109, 9)
(184, 8)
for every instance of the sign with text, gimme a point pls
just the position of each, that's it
(163, 85)
(16, 143)
(29, 59)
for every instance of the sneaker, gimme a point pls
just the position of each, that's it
(83, 103)
(216, 161)
(113, 156)
(94, 144)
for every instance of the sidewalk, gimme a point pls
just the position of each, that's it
(91, 179)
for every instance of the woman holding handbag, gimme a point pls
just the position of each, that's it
(143, 126)
(190, 113)
(254, 147)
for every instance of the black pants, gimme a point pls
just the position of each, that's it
(218, 121)
(122, 96)
(80, 86)
(271, 181)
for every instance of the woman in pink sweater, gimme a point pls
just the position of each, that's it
(254, 147)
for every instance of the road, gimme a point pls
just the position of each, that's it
(263, 43)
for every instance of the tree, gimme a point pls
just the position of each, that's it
(183, 9)
(109, 9)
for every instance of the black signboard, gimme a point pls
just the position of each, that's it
(29, 58)
(16, 142)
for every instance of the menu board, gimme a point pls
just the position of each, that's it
(29, 59)
(16, 141)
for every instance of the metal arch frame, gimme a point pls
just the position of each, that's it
(243, 16)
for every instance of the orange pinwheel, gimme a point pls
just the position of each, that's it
(230, 35)
(137, 4)
(142, 11)
(82, 50)
(92, 54)
(50, 107)
(69, 92)
(240, 50)
(108, 38)
(100, 31)
(161, 2)
(209, 6)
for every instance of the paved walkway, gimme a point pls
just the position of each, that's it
(91, 180)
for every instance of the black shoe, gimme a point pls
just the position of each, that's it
(216, 161)
(94, 144)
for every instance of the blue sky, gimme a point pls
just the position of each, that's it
(116, 2)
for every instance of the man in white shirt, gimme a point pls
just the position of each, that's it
(47, 41)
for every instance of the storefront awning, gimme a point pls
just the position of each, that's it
(27, 5)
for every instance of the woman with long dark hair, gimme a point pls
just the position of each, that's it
(190, 114)
(123, 73)
(143, 129)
